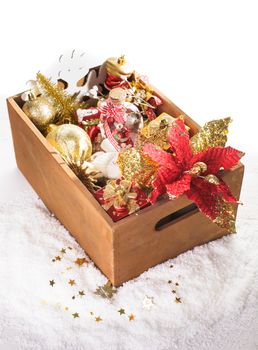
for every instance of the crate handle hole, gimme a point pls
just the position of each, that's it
(175, 217)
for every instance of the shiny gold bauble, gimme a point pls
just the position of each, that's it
(118, 67)
(40, 111)
(72, 142)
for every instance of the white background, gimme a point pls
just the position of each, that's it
(201, 54)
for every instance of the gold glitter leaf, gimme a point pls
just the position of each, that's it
(227, 215)
(136, 166)
(213, 134)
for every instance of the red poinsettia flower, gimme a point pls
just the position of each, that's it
(183, 172)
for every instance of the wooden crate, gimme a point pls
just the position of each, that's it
(125, 249)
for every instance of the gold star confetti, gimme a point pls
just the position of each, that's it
(80, 261)
(131, 317)
(63, 251)
(76, 315)
(121, 311)
(58, 258)
(178, 300)
(98, 319)
(174, 291)
(81, 293)
(72, 282)
(106, 291)
(52, 282)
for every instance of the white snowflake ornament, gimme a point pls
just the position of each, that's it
(77, 71)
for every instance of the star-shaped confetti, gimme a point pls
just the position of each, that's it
(121, 311)
(178, 300)
(63, 251)
(76, 315)
(174, 291)
(80, 261)
(72, 282)
(81, 293)
(148, 302)
(131, 317)
(106, 291)
(98, 319)
(58, 258)
(52, 282)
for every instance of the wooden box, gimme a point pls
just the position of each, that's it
(125, 249)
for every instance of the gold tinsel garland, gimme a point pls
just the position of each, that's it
(64, 103)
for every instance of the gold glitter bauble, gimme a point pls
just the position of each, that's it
(118, 67)
(40, 111)
(72, 142)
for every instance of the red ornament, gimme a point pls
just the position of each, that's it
(183, 172)
(88, 120)
(150, 113)
(112, 82)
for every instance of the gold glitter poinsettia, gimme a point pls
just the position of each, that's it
(194, 173)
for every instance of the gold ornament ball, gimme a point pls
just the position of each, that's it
(40, 111)
(72, 142)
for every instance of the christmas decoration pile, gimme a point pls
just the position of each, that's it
(127, 153)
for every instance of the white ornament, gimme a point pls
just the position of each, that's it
(77, 71)
(104, 162)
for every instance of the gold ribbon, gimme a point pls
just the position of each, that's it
(120, 195)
